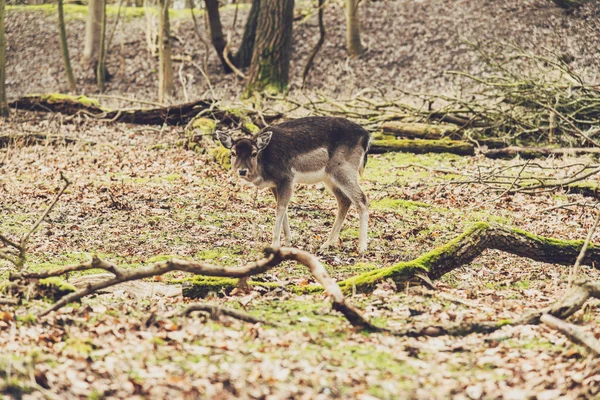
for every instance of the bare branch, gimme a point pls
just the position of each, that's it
(215, 311)
(573, 332)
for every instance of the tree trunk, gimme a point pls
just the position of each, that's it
(3, 103)
(101, 60)
(165, 68)
(355, 47)
(269, 69)
(216, 31)
(64, 46)
(93, 26)
(243, 57)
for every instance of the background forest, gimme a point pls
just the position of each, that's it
(134, 264)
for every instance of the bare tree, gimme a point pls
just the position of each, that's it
(269, 69)
(243, 56)
(93, 27)
(3, 103)
(165, 68)
(64, 46)
(101, 61)
(355, 47)
(216, 31)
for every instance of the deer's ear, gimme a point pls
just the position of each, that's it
(225, 139)
(263, 139)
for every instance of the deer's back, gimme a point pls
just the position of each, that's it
(307, 147)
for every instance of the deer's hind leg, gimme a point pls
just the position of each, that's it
(345, 179)
(343, 205)
(287, 233)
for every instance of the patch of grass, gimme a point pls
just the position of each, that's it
(393, 204)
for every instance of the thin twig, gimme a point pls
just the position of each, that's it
(575, 271)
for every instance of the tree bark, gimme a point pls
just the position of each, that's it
(216, 31)
(3, 103)
(355, 47)
(101, 56)
(269, 69)
(93, 26)
(65, 47)
(166, 86)
(243, 57)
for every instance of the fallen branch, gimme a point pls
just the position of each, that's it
(28, 139)
(539, 152)
(462, 148)
(467, 247)
(273, 257)
(215, 311)
(17, 252)
(180, 114)
(573, 332)
(416, 130)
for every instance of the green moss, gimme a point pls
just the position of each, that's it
(573, 245)
(222, 156)
(206, 126)
(201, 286)
(405, 271)
(78, 347)
(59, 97)
(55, 287)
(504, 322)
(171, 177)
(392, 204)
(28, 319)
(423, 146)
(251, 127)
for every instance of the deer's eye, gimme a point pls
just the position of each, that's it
(254, 154)
(233, 155)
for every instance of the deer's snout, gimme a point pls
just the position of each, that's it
(243, 172)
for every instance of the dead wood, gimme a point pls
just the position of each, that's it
(29, 139)
(462, 148)
(573, 332)
(273, 257)
(179, 114)
(416, 130)
(539, 152)
(16, 252)
(471, 244)
(215, 311)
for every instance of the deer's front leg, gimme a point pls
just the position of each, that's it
(287, 234)
(284, 194)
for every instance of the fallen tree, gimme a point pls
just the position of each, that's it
(539, 152)
(180, 114)
(465, 248)
(422, 146)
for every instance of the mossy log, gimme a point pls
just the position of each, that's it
(416, 130)
(462, 148)
(539, 152)
(470, 245)
(180, 114)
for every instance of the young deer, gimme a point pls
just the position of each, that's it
(306, 150)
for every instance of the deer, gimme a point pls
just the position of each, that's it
(306, 150)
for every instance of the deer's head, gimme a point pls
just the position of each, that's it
(245, 153)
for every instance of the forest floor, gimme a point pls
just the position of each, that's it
(139, 197)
